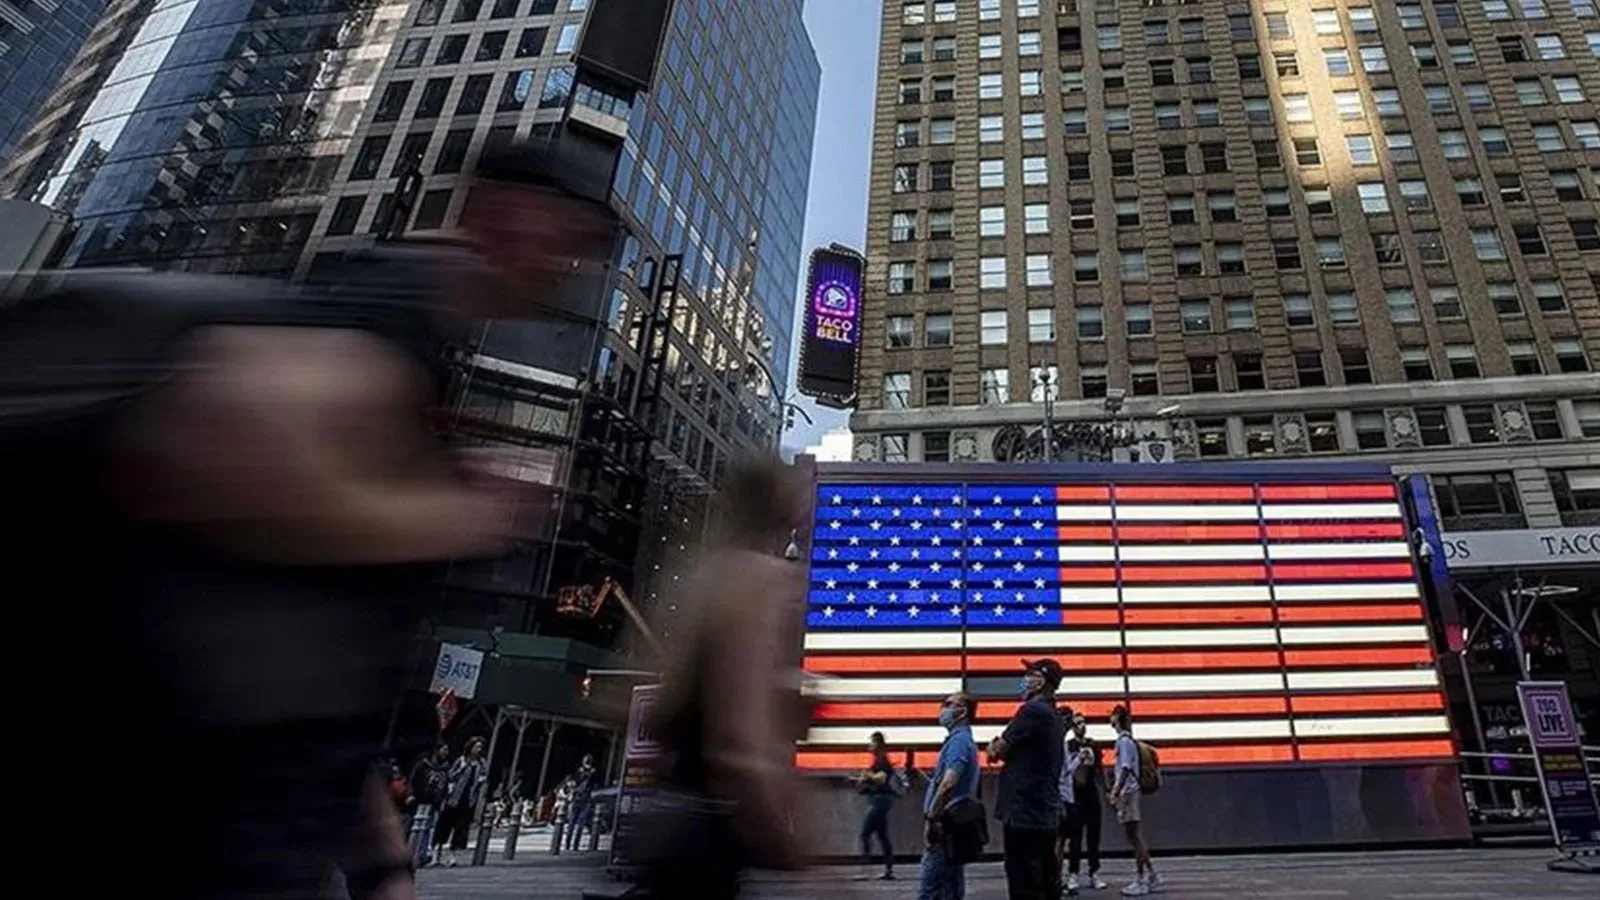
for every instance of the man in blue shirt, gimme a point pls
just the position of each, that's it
(955, 778)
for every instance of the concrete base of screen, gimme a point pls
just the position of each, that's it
(1213, 810)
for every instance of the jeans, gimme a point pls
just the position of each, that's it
(877, 823)
(1082, 821)
(939, 878)
(1031, 869)
(577, 821)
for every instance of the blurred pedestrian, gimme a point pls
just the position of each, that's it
(1125, 794)
(1082, 783)
(468, 774)
(955, 779)
(430, 785)
(881, 784)
(730, 708)
(1029, 806)
(583, 786)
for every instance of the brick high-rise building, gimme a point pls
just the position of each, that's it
(1332, 229)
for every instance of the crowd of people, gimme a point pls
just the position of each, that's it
(1051, 788)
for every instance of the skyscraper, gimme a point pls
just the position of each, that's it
(1224, 230)
(38, 38)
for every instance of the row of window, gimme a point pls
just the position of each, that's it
(431, 12)
(1206, 373)
(515, 92)
(491, 46)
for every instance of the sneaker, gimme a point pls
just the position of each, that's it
(887, 876)
(1095, 882)
(1152, 882)
(1136, 889)
(1072, 884)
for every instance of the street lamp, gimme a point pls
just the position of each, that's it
(1045, 378)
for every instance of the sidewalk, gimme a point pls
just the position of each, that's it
(533, 849)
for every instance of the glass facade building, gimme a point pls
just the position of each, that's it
(38, 39)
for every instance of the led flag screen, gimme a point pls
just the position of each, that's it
(1246, 622)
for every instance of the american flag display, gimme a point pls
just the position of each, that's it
(1249, 621)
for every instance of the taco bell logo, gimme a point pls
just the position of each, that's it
(835, 306)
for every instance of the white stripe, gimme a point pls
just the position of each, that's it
(847, 688)
(1358, 634)
(1041, 640)
(1083, 514)
(884, 639)
(1092, 686)
(932, 735)
(1383, 678)
(1189, 552)
(1214, 730)
(1340, 591)
(1374, 725)
(1202, 637)
(894, 735)
(1350, 550)
(1198, 512)
(1086, 553)
(1088, 596)
(1215, 593)
(1204, 684)
(1315, 511)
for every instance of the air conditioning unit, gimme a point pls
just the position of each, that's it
(1151, 452)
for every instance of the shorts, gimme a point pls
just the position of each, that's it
(1128, 810)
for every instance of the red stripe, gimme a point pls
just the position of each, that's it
(1327, 492)
(1081, 492)
(887, 663)
(1201, 756)
(1177, 533)
(1441, 749)
(1208, 706)
(1383, 612)
(1208, 614)
(925, 711)
(1359, 656)
(1335, 531)
(1184, 492)
(832, 761)
(1340, 571)
(1089, 575)
(1083, 662)
(1330, 703)
(1100, 533)
(1218, 659)
(1195, 574)
(1090, 617)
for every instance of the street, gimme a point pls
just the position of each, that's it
(1473, 874)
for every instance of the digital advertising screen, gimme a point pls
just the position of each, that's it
(831, 340)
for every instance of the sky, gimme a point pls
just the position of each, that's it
(845, 35)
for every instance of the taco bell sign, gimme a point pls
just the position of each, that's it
(831, 343)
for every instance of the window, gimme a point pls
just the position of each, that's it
(1036, 218)
(1463, 55)
(991, 129)
(1549, 139)
(1072, 81)
(914, 14)
(1337, 59)
(1122, 163)
(1090, 323)
(1078, 168)
(936, 387)
(941, 176)
(1323, 432)
(992, 327)
(1570, 356)
(1567, 186)
(1330, 253)
(1029, 84)
(453, 152)
(1308, 369)
(567, 40)
(1510, 186)
(467, 10)
(994, 386)
(1374, 199)
(1214, 157)
(1503, 297)
(1306, 152)
(1535, 9)
(1230, 259)
(988, 10)
(942, 131)
(1247, 372)
(896, 447)
(1342, 309)
(905, 178)
(1446, 303)
(1362, 20)
(1402, 148)
(1463, 360)
(991, 173)
(1203, 375)
(1440, 100)
(1587, 133)
(1277, 202)
(1035, 170)
(1223, 206)
(944, 88)
(1175, 159)
(936, 445)
(944, 49)
(1549, 296)
(902, 277)
(1045, 383)
(1373, 59)
(392, 101)
(1415, 196)
(944, 11)
(1161, 73)
(1278, 25)
(1196, 316)
(1143, 381)
(1530, 91)
(1349, 104)
(1199, 70)
(1081, 213)
(911, 51)
(992, 221)
(1127, 213)
(1249, 67)
(475, 92)
(897, 332)
(1470, 192)
(1524, 358)
(1402, 304)
(1093, 381)
(451, 50)
(412, 53)
(1033, 126)
(1486, 241)
(1389, 250)
(369, 158)
(1188, 260)
(1286, 253)
(989, 46)
(1477, 501)
(1117, 121)
(1588, 413)
(1239, 314)
(1549, 46)
(936, 330)
(907, 134)
(903, 226)
(1137, 317)
(1259, 111)
(1109, 37)
(1530, 241)
(1182, 209)
(1041, 326)
(897, 390)
(1371, 433)
(1038, 272)
(1298, 312)
(1449, 13)
(1085, 267)
(1297, 107)
(491, 46)
(940, 274)
(1577, 494)
(1387, 100)
(1213, 436)
(1155, 33)
(1585, 231)
(1169, 116)
(1028, 43)
(1430, 247)
(345, 215)
(1319, 201)
(1425, 56)
(992, 273)
(1433, 426)
(1417, 363)
(1207, 113)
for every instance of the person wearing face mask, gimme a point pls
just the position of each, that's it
(1082, 783)
(1029, 805)
(878, 783)
(954, 778)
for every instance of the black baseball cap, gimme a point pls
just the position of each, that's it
(1048, 669)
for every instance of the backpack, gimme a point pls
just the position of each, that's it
(1149, 768)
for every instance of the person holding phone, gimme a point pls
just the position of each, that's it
(1082, 782)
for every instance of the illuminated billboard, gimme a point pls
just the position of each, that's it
(1251, 615)
(830, 344)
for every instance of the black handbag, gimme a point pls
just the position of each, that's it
(964, 829)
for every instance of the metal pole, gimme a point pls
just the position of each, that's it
(523, 719)
(1515, 621)
(1477, 719)
(544, 764)
(480, 853)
